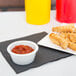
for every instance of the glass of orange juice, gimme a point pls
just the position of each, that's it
(37, 11)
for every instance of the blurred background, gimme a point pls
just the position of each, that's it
(17, 5)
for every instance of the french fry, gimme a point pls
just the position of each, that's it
(56, 39)
(72, 37)
(65, 35)
(75, 30)
(72, 46)
(67, 28)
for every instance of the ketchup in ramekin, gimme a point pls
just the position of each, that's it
(22, 49)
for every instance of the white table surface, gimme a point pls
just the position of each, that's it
(13, 25)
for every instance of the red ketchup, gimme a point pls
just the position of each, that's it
(22, 49)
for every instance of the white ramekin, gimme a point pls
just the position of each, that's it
(23, 59)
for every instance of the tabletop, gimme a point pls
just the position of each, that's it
(13, 25)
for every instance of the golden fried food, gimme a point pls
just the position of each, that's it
(72, 37)
(56, 39)
(75, 30)
(65, 35)
(67, 28)
(72, 46)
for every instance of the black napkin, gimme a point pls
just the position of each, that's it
(44, 55)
